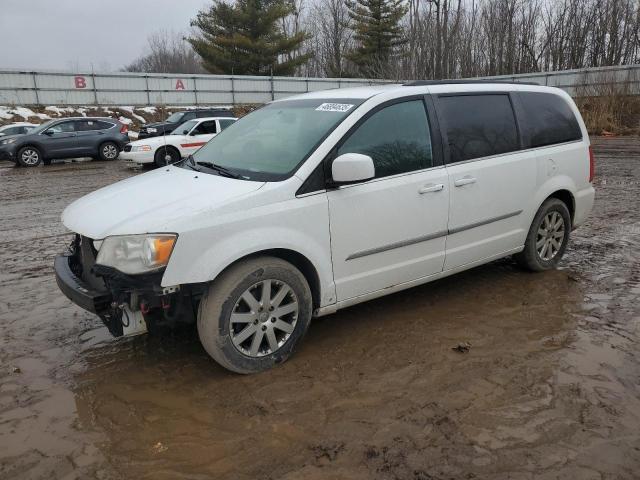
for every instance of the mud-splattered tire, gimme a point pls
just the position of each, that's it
(547, 238)
(29, 156)
(166, 156)
(247, 330)
(108, 151)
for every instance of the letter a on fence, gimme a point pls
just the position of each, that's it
(179, 85)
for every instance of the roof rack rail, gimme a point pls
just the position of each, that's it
(420, 83)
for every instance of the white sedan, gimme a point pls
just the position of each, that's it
(183, 141)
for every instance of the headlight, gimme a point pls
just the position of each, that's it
(8, 141)
(141, 148)
(134, 254)
(152, 130)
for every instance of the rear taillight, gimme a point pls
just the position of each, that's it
(124, 128)
(592, 165)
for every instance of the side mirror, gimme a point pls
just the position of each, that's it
(352, 168)
(185, 132)
(48, 132)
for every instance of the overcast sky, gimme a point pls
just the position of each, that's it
(76, 34)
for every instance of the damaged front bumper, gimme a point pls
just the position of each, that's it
(127, 304)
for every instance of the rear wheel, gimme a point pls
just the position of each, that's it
(166, 156)
(548, 237)
(254, 315)
(108, 151)
(29, 156)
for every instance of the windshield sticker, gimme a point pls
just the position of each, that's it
(334, 107)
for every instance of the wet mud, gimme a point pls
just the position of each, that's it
(494, 373)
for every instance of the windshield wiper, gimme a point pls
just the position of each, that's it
(220, 169)
(190, 162)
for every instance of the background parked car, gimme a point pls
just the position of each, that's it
(178, 118)
(183, 141)
(17, 128)
(99, 138)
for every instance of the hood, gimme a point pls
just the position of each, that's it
(151, 202)
(159, 125)
(5, 137)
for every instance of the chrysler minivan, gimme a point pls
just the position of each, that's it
(321, 201)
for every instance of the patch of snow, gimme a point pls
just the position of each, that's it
(125, 120)
(130, 111)
(59, 111)
(10, 112)
(133, 135)
(149, 110)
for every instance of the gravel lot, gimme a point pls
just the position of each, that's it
(550, 387)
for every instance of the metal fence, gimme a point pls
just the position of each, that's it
(63, 88)
(59, 88)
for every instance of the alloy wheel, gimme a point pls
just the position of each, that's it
(550, 236)
(263, 318)
(30, 157)
(110, 152)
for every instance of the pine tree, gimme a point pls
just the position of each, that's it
(244, 38)
(377, 30)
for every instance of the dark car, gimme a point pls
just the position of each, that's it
(99, 138)
(175, 119)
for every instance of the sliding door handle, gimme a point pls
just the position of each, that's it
(461, 182)
(431, 187)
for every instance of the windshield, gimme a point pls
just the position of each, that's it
(270, 143)
(43, 126)
(175, 117)
(185, 126)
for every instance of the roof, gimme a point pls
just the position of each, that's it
(416, 87)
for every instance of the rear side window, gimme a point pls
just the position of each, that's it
(396, 138)
(549, 119)
(225, 123)
(479, 125)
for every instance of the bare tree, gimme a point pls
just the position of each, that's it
(167, 52)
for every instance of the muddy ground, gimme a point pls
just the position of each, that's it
(550, 387)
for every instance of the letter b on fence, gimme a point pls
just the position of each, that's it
(80, 82)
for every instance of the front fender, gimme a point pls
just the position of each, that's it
(200, 255)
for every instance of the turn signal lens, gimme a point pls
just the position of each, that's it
(592, 165)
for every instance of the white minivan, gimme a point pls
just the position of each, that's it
(321, 201)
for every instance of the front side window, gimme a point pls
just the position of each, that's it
(479, 125)
(185, 128)
(270, 143)
(63, 127)
(396, 138)
(205, 128)
(549, 118)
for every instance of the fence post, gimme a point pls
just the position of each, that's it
(146, 85)
(195, 90)
(233, 91)
(95, 90)
(35, 87)
(273, 95)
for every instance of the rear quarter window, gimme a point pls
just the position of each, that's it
(479, 125)
(548, 119)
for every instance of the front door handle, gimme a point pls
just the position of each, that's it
(431, 187)
(461, 182)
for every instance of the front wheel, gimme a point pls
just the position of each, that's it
(166, 156)
(254, 315)
(548, 237)
(29, 157)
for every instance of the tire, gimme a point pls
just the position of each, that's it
(165, 156)
(551, 227)
(108, 151)
(233, 344)
(29, 156)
